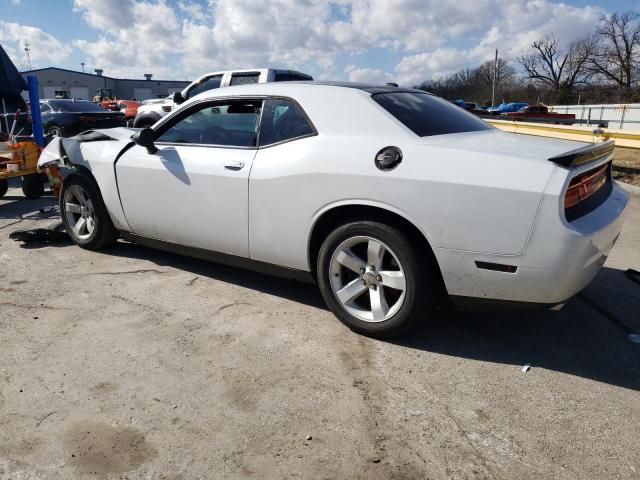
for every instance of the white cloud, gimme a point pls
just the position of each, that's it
(368, 75)
(426, 37)
(45, 49)
(514, 25)
(193, 10)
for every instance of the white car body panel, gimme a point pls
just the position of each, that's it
(485, 196)
(163, 201)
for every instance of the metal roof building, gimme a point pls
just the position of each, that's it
(72, 84)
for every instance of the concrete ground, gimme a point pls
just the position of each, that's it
(132, 363)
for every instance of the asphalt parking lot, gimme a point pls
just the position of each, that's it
(132, 363)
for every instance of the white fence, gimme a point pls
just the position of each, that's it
(623, 116)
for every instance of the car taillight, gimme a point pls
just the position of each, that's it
(585, 185)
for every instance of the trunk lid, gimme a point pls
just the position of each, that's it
(515, 145)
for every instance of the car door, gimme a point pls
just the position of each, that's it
(194, 189)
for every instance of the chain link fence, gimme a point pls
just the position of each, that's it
(625, 116)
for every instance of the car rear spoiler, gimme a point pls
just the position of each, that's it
(586, 154)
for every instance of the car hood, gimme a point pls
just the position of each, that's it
(60, 148)
(498, 142)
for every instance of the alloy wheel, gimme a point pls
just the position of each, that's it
(79, 212)
(367, 279)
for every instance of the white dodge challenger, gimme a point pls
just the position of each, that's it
(392, 199)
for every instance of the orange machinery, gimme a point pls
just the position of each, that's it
(20, 159)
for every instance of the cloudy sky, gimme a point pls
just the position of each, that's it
(363, 40)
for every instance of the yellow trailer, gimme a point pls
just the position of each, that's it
(20, 159)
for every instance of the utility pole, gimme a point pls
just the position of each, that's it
(27, 48)
(495, 77)
(82, 64)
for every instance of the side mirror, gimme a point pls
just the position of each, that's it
(145, 138)
(178, 98)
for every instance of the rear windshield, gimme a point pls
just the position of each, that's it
(75, 106)
(244, 78)
(427, 115)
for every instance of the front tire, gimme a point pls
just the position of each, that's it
(375, 279)
(84, 214)
(4, 187)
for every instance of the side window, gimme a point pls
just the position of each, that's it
(232, 123)
(207, 84)
(283, 120)
(244, 78)
(291, 76)
(45, 108)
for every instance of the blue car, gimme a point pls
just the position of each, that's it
(507, 107)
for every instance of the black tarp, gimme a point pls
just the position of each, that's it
(10, 79)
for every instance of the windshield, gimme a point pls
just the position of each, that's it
(81, 106)
(427, 115)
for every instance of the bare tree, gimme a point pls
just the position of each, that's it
(558, 68)
(483, 79)
(617, 56)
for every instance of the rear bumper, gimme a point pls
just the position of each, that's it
(560, 260)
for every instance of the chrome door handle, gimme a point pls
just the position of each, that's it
(234, 166)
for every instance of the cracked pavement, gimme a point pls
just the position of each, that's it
(134, 363)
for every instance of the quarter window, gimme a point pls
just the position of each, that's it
(231, 123)
(207, 84)
(283, 120)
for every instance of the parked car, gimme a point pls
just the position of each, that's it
(506, 107)
(471, 107)
(151, 113)
(392, 199)
(129, 108)
(65, 118)
(540, 112)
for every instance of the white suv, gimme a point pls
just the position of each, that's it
(150, 113)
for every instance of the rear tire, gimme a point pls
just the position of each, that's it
(375, 279)
(4, 187)
(84, 214)
(33, 186)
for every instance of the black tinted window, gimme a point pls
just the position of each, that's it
(207, 84)
(282, 120)
(427, 115)
(244, 78)
(290, 76)
(232, 123)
